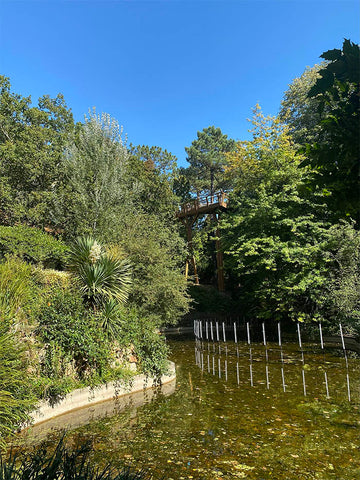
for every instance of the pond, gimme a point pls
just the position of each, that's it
(235, 412)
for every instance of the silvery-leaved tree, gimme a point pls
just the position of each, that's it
(94, 186)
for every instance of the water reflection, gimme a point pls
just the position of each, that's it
(272, 360)
(286, 358)
(216, 425)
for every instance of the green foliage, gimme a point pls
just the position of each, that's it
(101, 275)
(150, 347)
(71, 336)
(16, 290)
(343, 288)
(32, 139)
(62, 463)
(155, 159)
(298, 110)
(156, 253)
(335, 153)
(32, 245)
(275, 232)
(207, 299)
(206, 156)
(16, 392)
(92, 188)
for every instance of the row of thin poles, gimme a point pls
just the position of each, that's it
(208, 331)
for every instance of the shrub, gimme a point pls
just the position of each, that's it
(16, 393)
(32, 245)
(16, 289)
(72, 336)
(150, 347)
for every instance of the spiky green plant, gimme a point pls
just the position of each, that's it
(62, 464)
(102, 276)
(110, 317)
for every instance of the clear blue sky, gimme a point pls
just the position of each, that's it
(166, 69)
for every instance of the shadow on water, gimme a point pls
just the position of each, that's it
(263, 410)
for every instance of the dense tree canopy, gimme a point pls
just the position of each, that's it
(335, 154)
(322, 108)
(281, 251)
(299, 111)
(32, 143)
(206, 156)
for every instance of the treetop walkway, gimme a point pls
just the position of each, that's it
(203, 204)
(188, 213)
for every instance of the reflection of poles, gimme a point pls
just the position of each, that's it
(282, 358)
(346, 362)
(250, 353)
(325, 372)
(266, 356)
(302, 358)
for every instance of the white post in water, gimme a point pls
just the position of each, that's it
(346, 362)
(217, 332)
(248, 332)
(223, 326)
(264, 336)
(302, 358)
(299, 335)
(326, 385)
(251, 371)
(322, 348)
(267, 376)
(321, 336)
(282, 358)
(237, 373)
(211, 331)
(207, 330)
(279, 334)
(235, 333)
(266, 356)
(200, 329)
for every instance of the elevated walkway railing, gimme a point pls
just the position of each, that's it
(203, 204)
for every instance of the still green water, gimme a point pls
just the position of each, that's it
(236, 413)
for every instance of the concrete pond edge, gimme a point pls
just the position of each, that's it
(85, 397)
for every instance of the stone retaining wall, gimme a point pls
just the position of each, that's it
(85, 397)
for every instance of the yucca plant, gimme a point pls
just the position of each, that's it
(110, 317)
(104, 279)
(102, 276)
